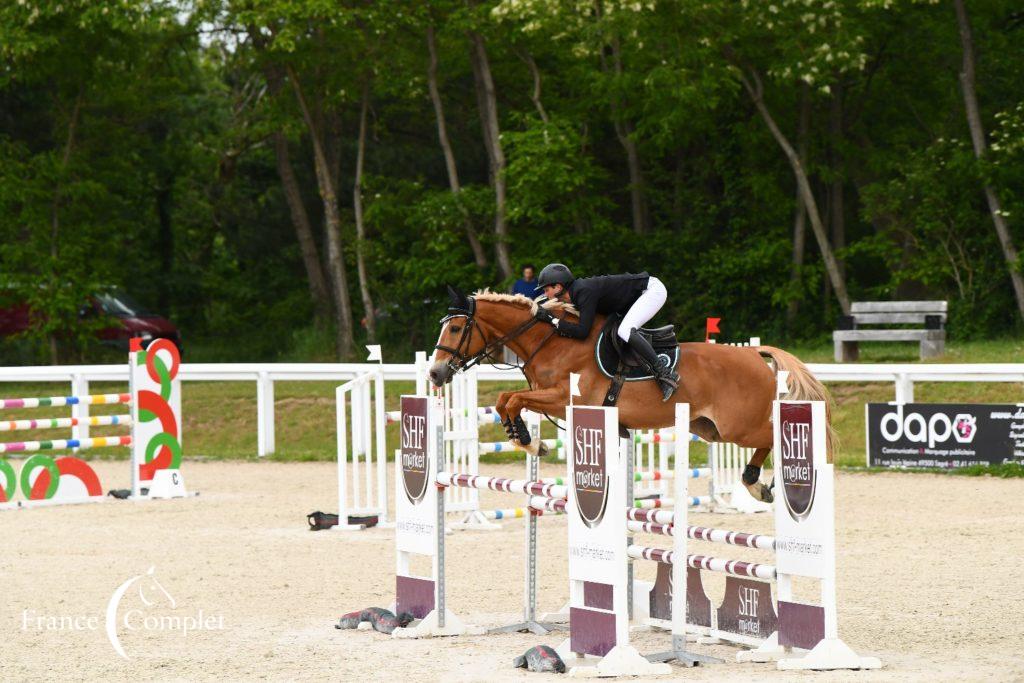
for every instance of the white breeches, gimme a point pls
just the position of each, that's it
(645, 308)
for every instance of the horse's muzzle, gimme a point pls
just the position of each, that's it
(440, 373)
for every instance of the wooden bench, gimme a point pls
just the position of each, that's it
(930, 314)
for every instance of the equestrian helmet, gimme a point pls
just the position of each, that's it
(554, 274)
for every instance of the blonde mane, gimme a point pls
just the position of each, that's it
(520, 300)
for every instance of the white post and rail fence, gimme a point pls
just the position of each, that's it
(903, 377)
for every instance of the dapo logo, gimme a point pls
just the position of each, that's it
(936, 429)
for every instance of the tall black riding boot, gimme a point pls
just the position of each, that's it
(667, 378)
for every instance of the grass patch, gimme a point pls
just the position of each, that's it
(1008, 470)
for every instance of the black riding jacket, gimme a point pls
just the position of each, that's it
(606, 294)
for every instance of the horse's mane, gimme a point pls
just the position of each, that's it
(520, 300)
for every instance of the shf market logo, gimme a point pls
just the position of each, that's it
(151, 613)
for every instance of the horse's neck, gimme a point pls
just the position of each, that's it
(534, 345)
(503, 321)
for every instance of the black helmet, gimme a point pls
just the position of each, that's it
(554, 274)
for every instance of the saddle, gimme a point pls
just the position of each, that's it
(617, 361)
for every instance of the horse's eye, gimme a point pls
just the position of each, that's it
(456, 328)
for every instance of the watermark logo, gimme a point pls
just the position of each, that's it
(156, 610)
(141, 603)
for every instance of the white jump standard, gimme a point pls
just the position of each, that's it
(804, 546)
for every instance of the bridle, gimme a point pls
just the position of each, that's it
(459, 356)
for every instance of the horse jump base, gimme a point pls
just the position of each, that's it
(428, 627)
(622, 660)
(828, 655)
(537, 628)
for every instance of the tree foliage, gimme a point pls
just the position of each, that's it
(143, 144)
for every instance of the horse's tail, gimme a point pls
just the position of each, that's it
(803, 386)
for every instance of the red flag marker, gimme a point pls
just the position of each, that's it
(712, 328)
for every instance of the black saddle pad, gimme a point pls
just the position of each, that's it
(609, 349)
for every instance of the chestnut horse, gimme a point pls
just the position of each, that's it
(730, 389)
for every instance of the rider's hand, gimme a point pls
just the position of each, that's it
(544, 315)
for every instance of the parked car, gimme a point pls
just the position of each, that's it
(132, 319)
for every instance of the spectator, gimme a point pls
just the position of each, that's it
(527, 284)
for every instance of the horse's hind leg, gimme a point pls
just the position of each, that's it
(752, 476)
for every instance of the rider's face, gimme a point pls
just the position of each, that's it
(553, 291)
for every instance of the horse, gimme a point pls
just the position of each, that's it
(730, 389)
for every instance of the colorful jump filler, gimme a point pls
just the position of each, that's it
(154, 400)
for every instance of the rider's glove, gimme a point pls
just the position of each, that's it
(544, 315)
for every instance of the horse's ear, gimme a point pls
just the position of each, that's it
(457, 299)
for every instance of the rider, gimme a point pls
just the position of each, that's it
(638, 297)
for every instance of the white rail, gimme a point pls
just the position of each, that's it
(902, 375)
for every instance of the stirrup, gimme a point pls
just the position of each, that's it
(666, 376)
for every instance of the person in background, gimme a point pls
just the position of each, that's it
(527, 284)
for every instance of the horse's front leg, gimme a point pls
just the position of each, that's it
(752, 477)
(542, 401)
(515, 428)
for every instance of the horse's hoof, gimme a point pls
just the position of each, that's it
(532, 449)
(761, 492)
(542, 450)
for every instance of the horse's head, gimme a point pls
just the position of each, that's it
(460, 340)
(476, 327)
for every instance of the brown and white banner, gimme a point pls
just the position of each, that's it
(805, 510)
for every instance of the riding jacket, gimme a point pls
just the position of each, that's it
(605, 294)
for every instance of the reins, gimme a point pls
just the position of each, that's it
(459, 360)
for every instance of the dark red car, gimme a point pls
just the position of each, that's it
(132, 320)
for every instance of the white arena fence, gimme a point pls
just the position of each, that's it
(903, 376)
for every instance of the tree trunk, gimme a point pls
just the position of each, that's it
(69, 145)
(624, 132)
(319, 293)
(756, 91)
(332, 225)
(315, 279)
(638, 199)
(980, 148)
(799, 212)
(449, 157)
(678, 183)
(357, 205)
(165, 238)
(836, 203)
(488, 100)
(333, 146)
(535, 95)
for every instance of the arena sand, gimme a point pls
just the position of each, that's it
(929, 581)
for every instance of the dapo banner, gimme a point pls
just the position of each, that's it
(944, 435)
